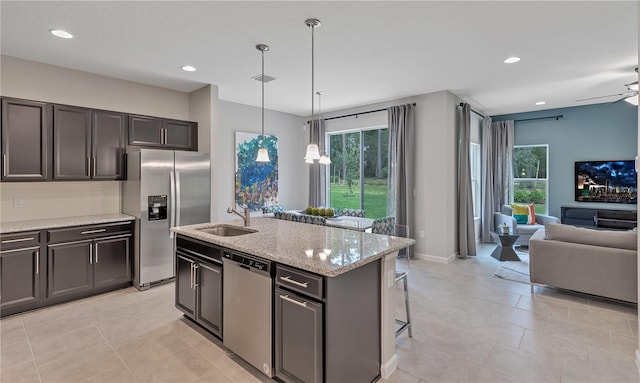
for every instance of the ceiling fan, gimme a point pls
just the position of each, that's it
(631, 96)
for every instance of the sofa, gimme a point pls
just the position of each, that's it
(597, 262)
(505, 216)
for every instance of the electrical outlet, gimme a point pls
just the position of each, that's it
(103, 197)
(421, 233)
(18, 203)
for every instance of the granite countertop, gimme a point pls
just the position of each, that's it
(39, 224)
(322, 250)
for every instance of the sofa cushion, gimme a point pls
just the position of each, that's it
(605, 238)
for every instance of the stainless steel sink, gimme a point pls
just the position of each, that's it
(227, 230)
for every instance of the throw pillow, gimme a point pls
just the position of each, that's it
(532, 214)
(521, 214)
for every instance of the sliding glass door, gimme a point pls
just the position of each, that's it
(358, 170)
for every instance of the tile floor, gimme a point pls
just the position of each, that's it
(468, 327)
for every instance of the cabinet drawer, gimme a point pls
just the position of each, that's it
(88, 232)
(199, 249)
(301, 281)
(20, 240)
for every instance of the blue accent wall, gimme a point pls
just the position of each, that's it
(585, 133)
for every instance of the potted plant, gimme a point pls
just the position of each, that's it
(504, 228)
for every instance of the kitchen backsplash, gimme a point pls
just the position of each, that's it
(21, 201)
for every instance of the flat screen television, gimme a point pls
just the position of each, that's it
(606, 181)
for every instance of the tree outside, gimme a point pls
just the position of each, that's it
(346, 186)
(530, 176)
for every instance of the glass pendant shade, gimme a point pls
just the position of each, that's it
(263, 155)
(313, 153)
(324, 160)
(632, 100)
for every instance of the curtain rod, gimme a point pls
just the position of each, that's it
(474, 111)
(357, 114)
(556, 117)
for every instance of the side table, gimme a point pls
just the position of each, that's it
(505, 251)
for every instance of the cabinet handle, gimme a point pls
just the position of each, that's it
(195, 276)
(18, 240)
(90, 255)
(96, 253)
(37, 261)
(94, 166)
(88, 167)
(161, 136)
(191, 281)
(93, 231)
(286, 298)
(4, 165)
(288, 279)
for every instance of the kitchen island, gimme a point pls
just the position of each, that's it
(349, 278)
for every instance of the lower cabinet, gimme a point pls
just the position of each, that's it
(46, 267)
(298, 338)
(199, 283)
(21, 279)
(79, 268)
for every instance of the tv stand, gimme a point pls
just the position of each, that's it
(598, 217)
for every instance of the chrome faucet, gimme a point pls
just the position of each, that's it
(246, 217)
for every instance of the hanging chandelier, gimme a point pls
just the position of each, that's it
(263, 154)
(313, 153)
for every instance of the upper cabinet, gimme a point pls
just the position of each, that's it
(88, 144)
(162, 133)
(26, 135)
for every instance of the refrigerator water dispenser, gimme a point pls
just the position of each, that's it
(157, 207)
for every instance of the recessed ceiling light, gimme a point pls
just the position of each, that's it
(61, 33)
(188, 68)
(541, 102)
(512, 60)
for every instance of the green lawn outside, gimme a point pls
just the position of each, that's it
(375, 199)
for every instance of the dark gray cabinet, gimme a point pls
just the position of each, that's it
(21, 272)
(71, 143)
(87, 260)
(108, 133)
(199, 283)
(162, 133)
(322, 322)
(26, 135)
(70, 269)
(298, 338)
(88, 144)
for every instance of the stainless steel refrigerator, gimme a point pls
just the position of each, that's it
(164, 188)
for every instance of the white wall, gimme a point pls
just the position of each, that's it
(292, 140)
(42, 82)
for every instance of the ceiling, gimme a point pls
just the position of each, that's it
(366, 51)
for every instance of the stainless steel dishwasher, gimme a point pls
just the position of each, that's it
(247, 309)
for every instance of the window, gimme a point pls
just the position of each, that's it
(359, 169)
(530, 176)
(474, 160)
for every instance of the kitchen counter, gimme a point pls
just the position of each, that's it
(322, 250)
(39, 224)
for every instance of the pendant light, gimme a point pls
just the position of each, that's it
(263, 154)
(313, 153)
(324, 159)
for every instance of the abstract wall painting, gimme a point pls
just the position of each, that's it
(256, 183)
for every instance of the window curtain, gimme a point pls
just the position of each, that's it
(317, 171)
(401, 177)
(466, 228)
(497, 151)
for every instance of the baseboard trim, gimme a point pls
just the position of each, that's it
(389, 367)
(433, 258)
